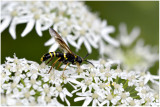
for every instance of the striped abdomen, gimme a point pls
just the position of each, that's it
(52, 54)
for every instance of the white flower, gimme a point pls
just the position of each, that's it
(72, 20)
(125, 38)
(62, 93)
(130, 54)
(97, 86)
(88, 97)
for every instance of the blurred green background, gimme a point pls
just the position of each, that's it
(144, 14)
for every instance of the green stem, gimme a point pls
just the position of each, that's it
(126, 84)
(117, 79)
(23, 82)
(133, 92)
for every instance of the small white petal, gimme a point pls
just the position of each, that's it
(89, 49)
(84, 89)
(135, 33)
(123, 29)
(46, 24)
(32, 92)
(80, 41)
(5, 24)
(21, 20)
(92, 42)
(54, 47)
(28, 27)
(38, 28)
(79, 99)
(75, 90)
(68, 103)
(75, 82)
(35, 87)
(104, 102)
(94, 102)
(101, 44)
(49, 42)
(111, 40)
(61, 96)
(87, 101)
(67, 92)
(12, 29)
(71, 41)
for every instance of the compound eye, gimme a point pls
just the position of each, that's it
(80, 60)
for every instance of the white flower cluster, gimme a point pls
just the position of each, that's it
(26, 82)
(73, 20)
(132, 52)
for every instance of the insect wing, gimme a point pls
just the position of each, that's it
(59, 39)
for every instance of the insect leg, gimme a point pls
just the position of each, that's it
(59, 65)
(66, 66)
(49, 61)
(53, 64)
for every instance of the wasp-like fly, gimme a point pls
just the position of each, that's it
(66, 57)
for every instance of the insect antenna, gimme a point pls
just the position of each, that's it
(86, 56)
(89, 62)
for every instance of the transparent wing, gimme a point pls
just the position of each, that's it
(59, 39)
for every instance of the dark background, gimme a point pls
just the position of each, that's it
(144, 14)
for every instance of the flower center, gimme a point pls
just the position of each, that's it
(34, 71)
(64, 33)
(92, 74)
(7, 66)
(141, 84)
(107, 74)
(109, 97)
(102, 61)
(14, 13)
(88, 82)
(43, 65)
(17, 73)
(33, 81)
(143, 91)
(36, 16)
(82, 32)
(3, 75)
(102, 85)
(16, 60)
(46, 90)
(79, 71)
(69, 23)
(124, 96)
(59, 88)
(47, 99)
(27, 94)
(102, 70)
(95, 95)
(51, 77)
(18, 67)
(33, 9)
(132, 103)
(56, 20)
(13, 85)
(116, 86)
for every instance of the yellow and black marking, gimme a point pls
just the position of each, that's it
(65, 58)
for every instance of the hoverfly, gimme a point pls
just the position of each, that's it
(66, 57)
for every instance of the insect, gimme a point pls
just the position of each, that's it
(65, 57)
